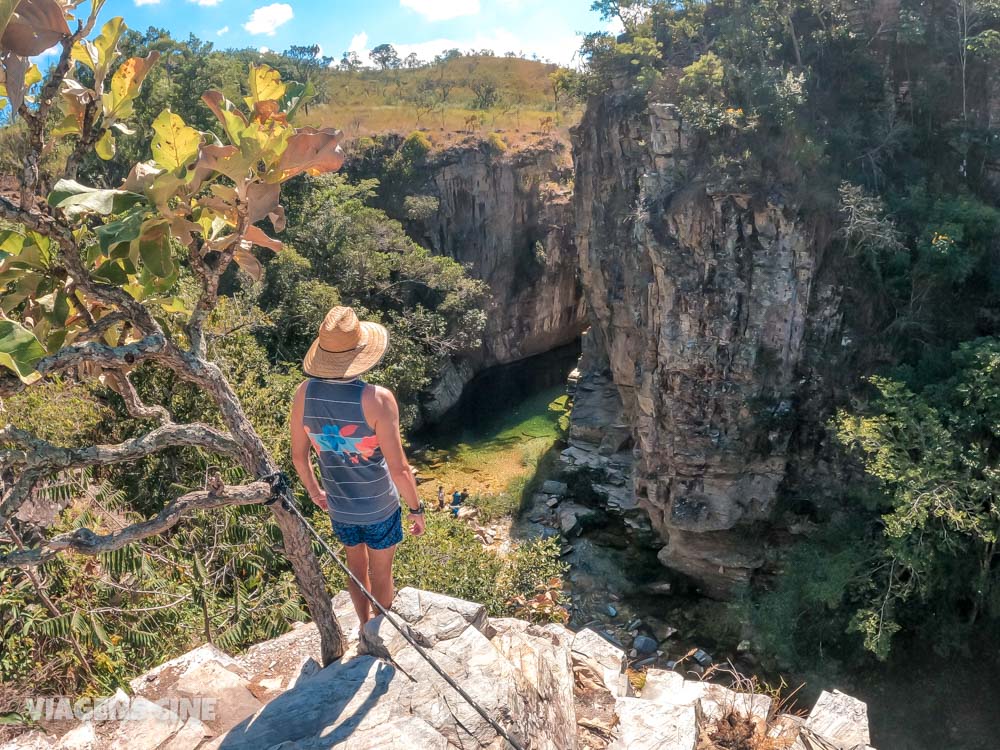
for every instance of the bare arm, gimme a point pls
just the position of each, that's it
(302, 451)
(382, 413)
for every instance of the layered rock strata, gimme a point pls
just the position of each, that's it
(702, 300)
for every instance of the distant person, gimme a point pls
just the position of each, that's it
(456, 503)
(465, 495)
(440, 497)
(354, 429)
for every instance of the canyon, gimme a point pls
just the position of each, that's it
(708, 311)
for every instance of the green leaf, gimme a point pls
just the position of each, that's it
(296, 94)
(20, 351)
(76, 199)
(124, 229)
(154, 249)
(113, 272)
(106, 48)
(105, 146)
(174, 143)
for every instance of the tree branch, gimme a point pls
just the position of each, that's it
(108, 357)
(119, 382)
(40, 455)
(210, 274)
(86, 542)
(17, 493)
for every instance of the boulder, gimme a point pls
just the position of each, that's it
(552, 487)
(594, 652)
(643, 644)
(840, 719)
(520, 673)
(643, 725)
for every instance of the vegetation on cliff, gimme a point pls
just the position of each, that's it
(157, 322)
(878, 122)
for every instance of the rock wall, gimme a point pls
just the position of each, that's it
(510, 219)
(702, 301)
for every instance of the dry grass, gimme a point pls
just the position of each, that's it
(368, 102)
(446, 127)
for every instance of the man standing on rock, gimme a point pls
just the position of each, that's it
(354, 428)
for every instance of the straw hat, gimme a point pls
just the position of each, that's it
(346, 347)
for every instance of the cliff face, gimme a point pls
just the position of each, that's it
(510, 218)
(702, 302)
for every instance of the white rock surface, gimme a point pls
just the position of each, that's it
(643, 725)
(840, 719)
(592, 650)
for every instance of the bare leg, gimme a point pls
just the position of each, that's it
(380, 562)
(357, 561)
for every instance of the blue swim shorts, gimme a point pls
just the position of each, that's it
(381, 535)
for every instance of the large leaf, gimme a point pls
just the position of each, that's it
(233, 121)
(256, 236)
(174, 143)
(262, 200)
(33, 27)
(76, 199)
(125, 229)
(19, 350)
(154, 249)
(15, 68)
(105, 146)
(104, 50)
(246, 260)
(126, 84)
(265, 85)
(227, 160)
(75, 97)
(311, 151)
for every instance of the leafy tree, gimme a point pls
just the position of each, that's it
(92, 275)
(936, 454)
(385, 56)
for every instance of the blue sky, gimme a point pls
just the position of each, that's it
(548, 28)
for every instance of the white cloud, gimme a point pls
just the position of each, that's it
(442, 10)
(206, 3)
(147, 2)
(223, 30)
(263, 50)
(359, 44)
(267, 19)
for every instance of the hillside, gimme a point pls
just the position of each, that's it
(461, 94)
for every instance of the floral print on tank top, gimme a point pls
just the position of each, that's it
(338, 440)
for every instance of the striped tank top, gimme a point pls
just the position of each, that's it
(355, 477)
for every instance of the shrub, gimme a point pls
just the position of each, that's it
(495, 144)
(416, 146)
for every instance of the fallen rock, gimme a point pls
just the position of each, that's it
(592, 650)
(648, 726)
(644, 644)
(552, 487)
(840, 719)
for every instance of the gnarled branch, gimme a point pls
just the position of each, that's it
(102, 355)
(40, 455)
(87, 542)
(119, 382)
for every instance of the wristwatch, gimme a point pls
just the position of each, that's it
(418, 511)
